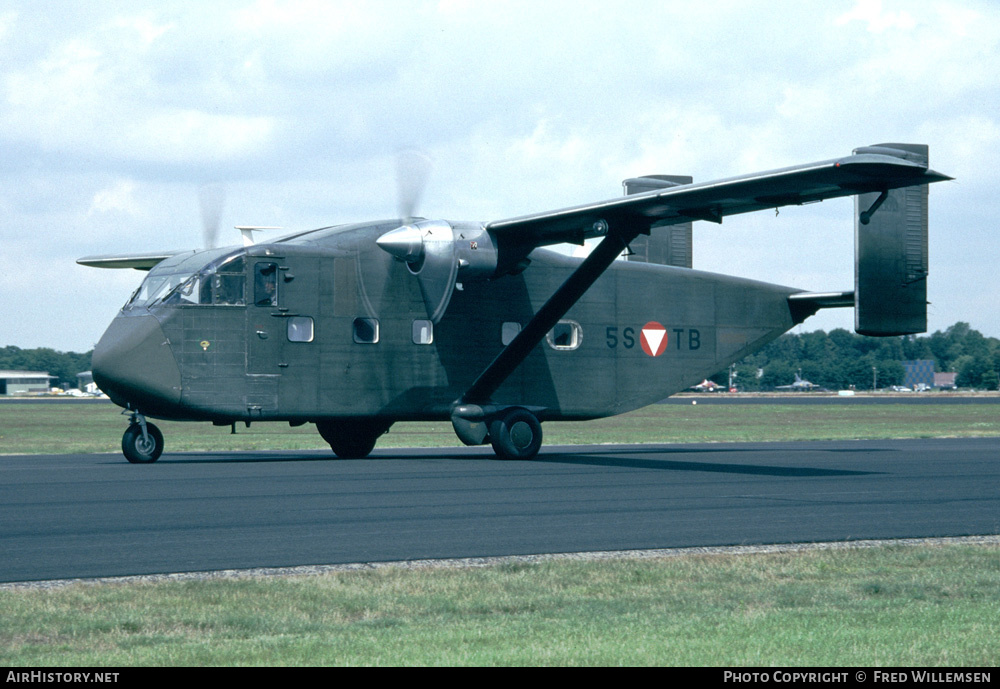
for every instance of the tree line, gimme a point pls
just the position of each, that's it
(836, 360)
(62, 365)
(840, 359)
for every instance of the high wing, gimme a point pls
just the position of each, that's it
(879, 168)
(138, 261)
(870, 169)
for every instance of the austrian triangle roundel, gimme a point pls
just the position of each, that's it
(653, 338)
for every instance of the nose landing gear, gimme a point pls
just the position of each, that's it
(142, 443)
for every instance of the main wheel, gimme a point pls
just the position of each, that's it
(351, 439)
(516, 434)
(140, 450)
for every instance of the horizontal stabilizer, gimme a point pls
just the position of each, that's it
(805, 304)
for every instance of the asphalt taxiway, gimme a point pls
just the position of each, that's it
(74, 516)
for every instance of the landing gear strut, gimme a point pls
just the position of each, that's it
(142, 442)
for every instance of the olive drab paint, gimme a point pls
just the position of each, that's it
(355, 327)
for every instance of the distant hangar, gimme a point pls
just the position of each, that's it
(24, 382)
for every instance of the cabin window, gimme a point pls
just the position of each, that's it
(565, 336)
(423, 332)
(265, 284)
(300, 329)
(366, 330)
(508, 332)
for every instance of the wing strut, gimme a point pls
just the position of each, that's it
(614, 243)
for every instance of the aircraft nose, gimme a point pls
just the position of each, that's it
(134, 366)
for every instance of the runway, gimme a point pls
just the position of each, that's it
(95, 515)
(795, 398)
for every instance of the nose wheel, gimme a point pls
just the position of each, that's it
(142, 443)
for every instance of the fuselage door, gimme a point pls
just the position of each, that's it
(284, 331)
(264, 328)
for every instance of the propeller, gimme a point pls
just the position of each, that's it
(413, 167)
(427, 246)
(428, 249)
(212, 198)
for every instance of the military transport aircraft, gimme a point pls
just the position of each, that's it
(355, 327)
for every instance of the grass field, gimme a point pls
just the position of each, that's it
(68, 428)
(896, 606)
(891, 606)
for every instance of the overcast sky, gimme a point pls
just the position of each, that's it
(114, 114)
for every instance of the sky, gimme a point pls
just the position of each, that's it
(115, 116)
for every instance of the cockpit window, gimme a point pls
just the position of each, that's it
(220, 282)
(149, 287)
(157, 288)
(228, 282)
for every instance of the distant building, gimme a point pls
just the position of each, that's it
(85, 381)
(24, 382)
(945, 380)
(920, 372)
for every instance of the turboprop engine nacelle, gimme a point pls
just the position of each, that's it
(441, 254)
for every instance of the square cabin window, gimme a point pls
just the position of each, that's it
(366, 330)
(508, 332)
(423, 332)
(566, 335)
(300, 329)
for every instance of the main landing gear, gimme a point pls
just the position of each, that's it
(142, 442)
(352, 438)
(516, 434)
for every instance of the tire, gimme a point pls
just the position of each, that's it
(351, 439)
(137, 450)
(516, 434)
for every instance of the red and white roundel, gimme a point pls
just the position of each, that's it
(653, 338)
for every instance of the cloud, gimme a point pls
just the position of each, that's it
(878, 19)
(113, 116)
(145, 27)
(119, 198)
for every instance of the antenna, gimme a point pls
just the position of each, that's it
(248, 230)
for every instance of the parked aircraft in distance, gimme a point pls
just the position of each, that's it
(707, 386)
(800, 385)
(355, 327)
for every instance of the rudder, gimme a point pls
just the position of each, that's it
(666, 245)
(890, 254)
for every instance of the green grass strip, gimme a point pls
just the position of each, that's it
(894, 606)
(72, 428)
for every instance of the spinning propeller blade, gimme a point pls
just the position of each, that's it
(212, 198)
(412, 170)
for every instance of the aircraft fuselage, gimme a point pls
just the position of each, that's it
(329, 326)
